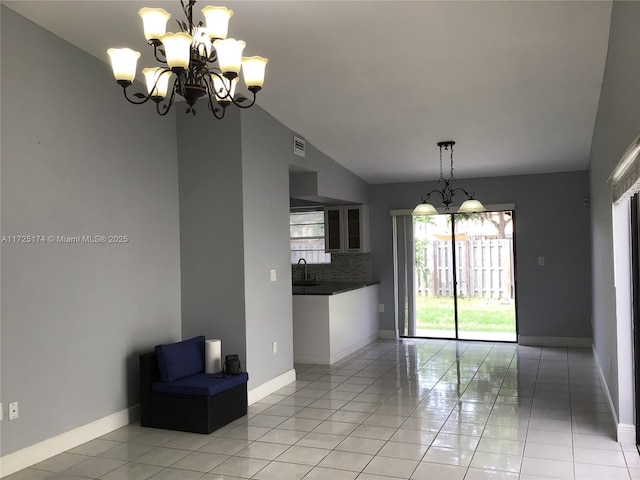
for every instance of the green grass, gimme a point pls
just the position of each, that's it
(474, 314)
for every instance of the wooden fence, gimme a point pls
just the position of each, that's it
(484, 269)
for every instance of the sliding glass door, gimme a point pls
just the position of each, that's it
(435, 277)
(455, 276)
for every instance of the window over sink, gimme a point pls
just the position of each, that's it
(306, 229)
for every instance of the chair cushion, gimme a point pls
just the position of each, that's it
(200, 385)
(181, 359)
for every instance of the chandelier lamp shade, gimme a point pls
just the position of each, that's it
(470, 205)
(198, 61)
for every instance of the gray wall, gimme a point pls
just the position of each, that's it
(77, 159)
(330, 181)
(617, 123)
(551, 221)
(234, 229)
(266, 152)
(211, 230)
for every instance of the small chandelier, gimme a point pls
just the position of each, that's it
(447, 193)
(200, 61)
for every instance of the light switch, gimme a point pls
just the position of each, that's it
(272, 275)
(541, 261)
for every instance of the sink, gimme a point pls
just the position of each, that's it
(306, 284)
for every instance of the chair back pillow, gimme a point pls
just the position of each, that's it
(181, 359)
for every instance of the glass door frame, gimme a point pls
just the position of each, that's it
(635, 275)
(411, 306)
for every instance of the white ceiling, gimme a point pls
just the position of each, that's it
(375, 84)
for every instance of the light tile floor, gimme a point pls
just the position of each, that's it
(411, 409)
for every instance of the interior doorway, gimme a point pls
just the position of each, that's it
(455, 276)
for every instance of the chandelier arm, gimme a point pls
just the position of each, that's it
(210, 94)
(220, 116)
(425, 198)
(469, 195)
(155, 54)
(240, 105)
(143, 98)
(211, 106)
(223, 84)
(167, 106)
(203, 71)
(214, 55)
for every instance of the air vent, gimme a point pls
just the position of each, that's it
(299, 145)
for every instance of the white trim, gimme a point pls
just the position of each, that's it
(352, 348)
(313, 359)
(580, 342)
(623, 291)
(331, 359)
(267, 388)
(38, 452)
(497, 207)
(605, 387)
(625, 179)
(387, 334)
(626, 434)
(630, 154)
(396, 281)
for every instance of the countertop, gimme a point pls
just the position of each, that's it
(328, 288)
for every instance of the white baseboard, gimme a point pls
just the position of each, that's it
(352, 348)
(33, 454)
(581, 342)
(605, 387)
(273, 385)
(387, 334)
(313, 359)
(625, 432)
(328, 359)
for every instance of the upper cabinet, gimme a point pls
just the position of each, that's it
(346, 229)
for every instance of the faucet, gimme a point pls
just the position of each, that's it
(305, 268)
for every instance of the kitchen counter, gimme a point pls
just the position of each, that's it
(328, 326)
(328, 288)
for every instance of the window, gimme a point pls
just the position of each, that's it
(307, 237)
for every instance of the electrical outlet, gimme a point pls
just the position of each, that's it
(541, 261)
(381, 307)
(13, 411)
(274, 347)
(272, 275)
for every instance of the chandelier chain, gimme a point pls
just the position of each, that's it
(451, 159)
(448, 191)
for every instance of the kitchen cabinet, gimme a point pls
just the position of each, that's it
(346, 229)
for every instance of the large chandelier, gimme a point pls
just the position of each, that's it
(447, 193)
(199, 61)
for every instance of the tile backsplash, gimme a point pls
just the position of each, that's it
(344, 267)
